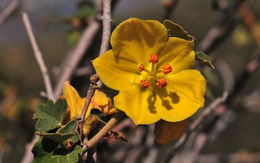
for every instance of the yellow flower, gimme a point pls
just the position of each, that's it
(75, 105)
(152, 73)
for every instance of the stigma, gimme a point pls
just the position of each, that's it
(145, 83)
(161, 83)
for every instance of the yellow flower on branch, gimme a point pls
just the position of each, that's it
(75, 106)
(152, 73)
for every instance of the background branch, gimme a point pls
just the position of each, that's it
(8, 10)
(38, 56)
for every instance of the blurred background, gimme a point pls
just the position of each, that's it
(58, 26)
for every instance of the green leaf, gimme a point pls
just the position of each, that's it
(46, 150)
(50, 115)
(64, 133)
(175, 30)
(202, 57)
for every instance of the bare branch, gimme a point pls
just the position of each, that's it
(8, 10)
(182, 140)
(110, 124)
(169, 6)
(73, 58)
(28, 156)
(38, 56)
(106, 26)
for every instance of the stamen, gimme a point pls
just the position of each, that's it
(145, 83)
(167, 68)
(153, 58)
(161, 82)
(141, 68)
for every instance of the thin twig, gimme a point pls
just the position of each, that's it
(28, 156)
(169, 6)
(91, 90)
(38, 56)
(73, 58)
(106, 26)
(182, 140)
(8, 10)
(110, 124)
(222, 29)
(250, 21)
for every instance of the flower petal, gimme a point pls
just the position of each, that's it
(136, 39)
(101, 102)
(138, 104)
(74, 101)
(115, 72)
(182, 96)
(178, 53)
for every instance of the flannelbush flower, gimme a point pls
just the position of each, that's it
(152, 72)
(75, 105)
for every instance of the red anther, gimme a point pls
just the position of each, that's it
(141, 67)
(161, 82)
(167, 68)
(153, 58)
(145, 83)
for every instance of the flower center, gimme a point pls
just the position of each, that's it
(151, 74)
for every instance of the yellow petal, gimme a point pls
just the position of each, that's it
(178, 53)
(136, 39)
(74, 101)
(115, 72)
(167, 131)
(89, 123)
(138, 104)
(101, 102)
(182, 96)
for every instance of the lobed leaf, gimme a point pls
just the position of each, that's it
(50, 115)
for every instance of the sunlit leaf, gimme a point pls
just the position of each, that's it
(49, 116)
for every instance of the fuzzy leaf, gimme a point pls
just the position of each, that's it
(46, 150)
(168, 131)
(202, 57)
(175, 30)
(64, 133)
(50, 115)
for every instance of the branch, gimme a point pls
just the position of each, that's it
(73, 58)
(91, 90)
(106, 26)
(28, 156)
(110, 124)
(182, 140)
(221, 30)
(169, 6)
(38, 56)
(8, 10)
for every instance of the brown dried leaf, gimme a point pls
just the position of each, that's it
(168, 131)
